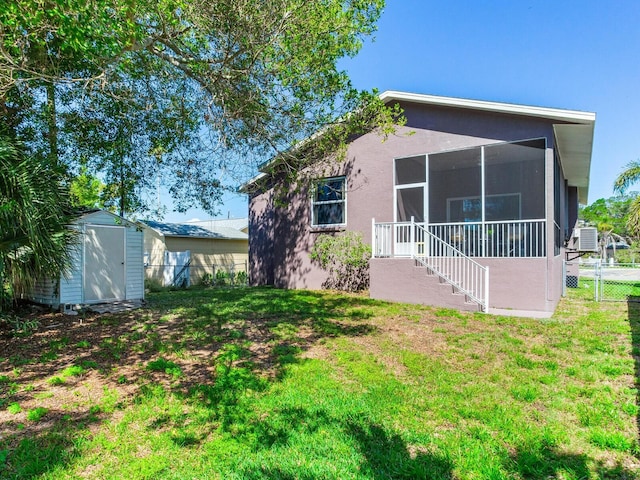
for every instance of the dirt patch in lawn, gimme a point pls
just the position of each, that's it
(74, 370)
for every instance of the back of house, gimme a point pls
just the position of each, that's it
(471, 205)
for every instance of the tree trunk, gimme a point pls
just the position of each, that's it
(52, 123)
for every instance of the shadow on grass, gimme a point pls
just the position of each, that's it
(248, 334)
(52, 441)
(287, 322)
(356, 441)
(544, 461)
(383, 456)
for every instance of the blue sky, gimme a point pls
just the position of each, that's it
(580, 55)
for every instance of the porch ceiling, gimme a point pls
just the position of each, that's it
(575, 144)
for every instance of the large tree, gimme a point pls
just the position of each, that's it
(196, 92)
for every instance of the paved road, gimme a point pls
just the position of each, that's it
(614, 273)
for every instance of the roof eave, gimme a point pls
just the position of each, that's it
(245, 187)
(575, 147)
(573, 116)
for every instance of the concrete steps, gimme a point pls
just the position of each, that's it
(405, 280)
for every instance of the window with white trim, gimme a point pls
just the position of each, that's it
(329, 202)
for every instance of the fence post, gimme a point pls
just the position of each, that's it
(486, 290)
(373, 237)
(564, 278)
(601, 281)
(412, 237)
(596, 286)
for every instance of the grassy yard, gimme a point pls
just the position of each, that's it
(264, 383)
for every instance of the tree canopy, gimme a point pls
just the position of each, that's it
(610, 214)
(196, 92)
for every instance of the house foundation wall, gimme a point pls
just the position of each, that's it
(401, 280)
(521, 284)
(518, 284)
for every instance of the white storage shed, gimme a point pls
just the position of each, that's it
(108, 265)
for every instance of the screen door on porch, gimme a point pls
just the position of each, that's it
(411, 180)
(104, 269)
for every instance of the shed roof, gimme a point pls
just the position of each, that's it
(195, 231)
(86, 216)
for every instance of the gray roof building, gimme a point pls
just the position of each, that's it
(196, 231)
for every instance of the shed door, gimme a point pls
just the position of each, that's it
(104, 268)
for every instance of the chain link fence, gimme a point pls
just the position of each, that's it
(613, 282)
(163, 275)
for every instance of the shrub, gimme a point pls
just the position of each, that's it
(222, 277)
(154, 285)
(241, 278)
(346, 258)
(19, 326)
(629, 255)
(206, 280)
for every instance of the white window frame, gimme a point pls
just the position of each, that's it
(315, 203)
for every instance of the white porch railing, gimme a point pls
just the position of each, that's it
(445, 260)
(504, 239)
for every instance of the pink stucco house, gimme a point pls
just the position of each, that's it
(471, 205)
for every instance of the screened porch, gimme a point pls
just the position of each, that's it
(486, 201)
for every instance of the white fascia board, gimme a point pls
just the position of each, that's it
(84, 217)
(573, 116)
(245, 186)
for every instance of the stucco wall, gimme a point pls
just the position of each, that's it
(280, 249)
(401, 280)
(261, 254)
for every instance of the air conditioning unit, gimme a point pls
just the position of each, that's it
(587, 239)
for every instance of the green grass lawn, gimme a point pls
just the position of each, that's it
(273, 384)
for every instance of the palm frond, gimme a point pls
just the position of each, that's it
(628, 177)
(34, 214)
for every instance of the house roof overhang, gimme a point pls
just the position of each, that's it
(573, 129)
(575, 145)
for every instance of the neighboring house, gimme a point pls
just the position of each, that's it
(470, 197)
(241, 224)
(219, 248)
(107, 265)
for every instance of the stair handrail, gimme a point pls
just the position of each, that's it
(467, 276)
